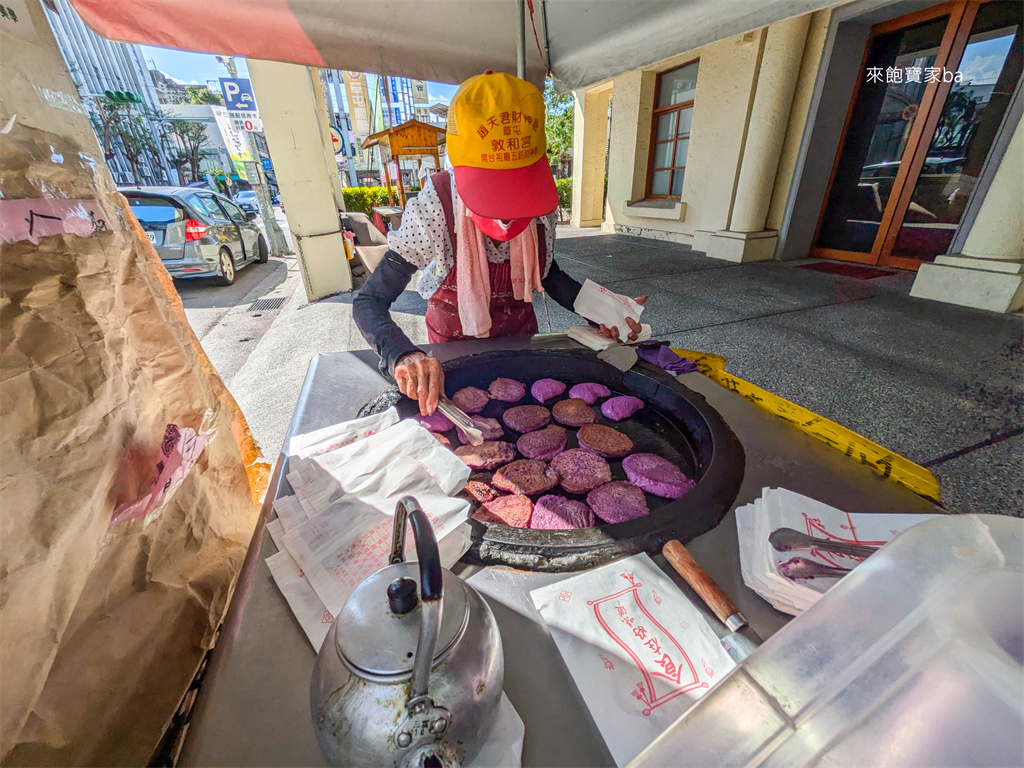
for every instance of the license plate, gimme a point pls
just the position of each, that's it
(152, 237)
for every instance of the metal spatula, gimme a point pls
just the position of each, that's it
(461, 420)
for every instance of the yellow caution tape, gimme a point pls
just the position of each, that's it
(859, 448)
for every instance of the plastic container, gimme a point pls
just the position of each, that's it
(913, 659)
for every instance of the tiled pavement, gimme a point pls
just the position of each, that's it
(939, 384)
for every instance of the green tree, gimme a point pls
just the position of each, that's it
(558, 122)
(127, 125)
(198, 94)
(189, 136)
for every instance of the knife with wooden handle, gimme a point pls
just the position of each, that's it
(741, 640)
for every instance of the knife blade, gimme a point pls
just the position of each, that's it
(742, 639)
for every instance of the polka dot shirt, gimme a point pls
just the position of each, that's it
(423, 239)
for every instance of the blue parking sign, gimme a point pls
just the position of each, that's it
(238, 93)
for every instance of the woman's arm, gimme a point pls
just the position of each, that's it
(371, 309)
(560, 286)
(565, 289)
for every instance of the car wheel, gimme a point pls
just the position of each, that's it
(262, 250)
(226, 268)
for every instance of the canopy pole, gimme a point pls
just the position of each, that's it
(521, 42)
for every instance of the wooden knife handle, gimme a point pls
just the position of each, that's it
(699, 580)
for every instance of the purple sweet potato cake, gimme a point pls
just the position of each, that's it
(511, 510)
(656, 475)
(489, 428)
(544, 444)
(507, 390)
(579, 470)
(479, 490)
(621, 407)
(489, 455)
(573, 412)
(590, 392)
(545, 389)
(618, 501)
(442, 439)
(471, 399)
(604, 441)
(525, 477)
(557, 513)
(435, 422)
(526, 418)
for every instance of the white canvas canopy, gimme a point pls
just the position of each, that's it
(581, 42)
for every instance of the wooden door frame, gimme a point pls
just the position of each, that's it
(954, 41)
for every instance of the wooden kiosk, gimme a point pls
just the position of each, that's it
(411, 138)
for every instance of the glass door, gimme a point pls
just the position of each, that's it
(934, 89)
(927, 217)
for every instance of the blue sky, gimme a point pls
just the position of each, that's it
(201, 67)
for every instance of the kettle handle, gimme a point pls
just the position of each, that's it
(431, 589)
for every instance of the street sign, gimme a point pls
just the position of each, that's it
(238, 93)
(267, 165)
(245, 121)
(252, 172)
(337, 142)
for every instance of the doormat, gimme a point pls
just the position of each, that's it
(847, 270)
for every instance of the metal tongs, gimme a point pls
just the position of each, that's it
(788, 539)
(461, 420)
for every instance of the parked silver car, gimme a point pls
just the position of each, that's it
(247, 201)
(197, 233)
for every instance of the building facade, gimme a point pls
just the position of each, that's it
(879, 133)
(98, 65)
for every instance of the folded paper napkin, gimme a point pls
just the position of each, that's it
(589, 337)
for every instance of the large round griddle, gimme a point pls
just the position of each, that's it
(677, 423)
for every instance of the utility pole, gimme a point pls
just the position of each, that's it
(278, 244)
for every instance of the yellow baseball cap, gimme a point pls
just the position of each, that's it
(498, 150)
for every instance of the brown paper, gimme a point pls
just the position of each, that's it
(101, 628)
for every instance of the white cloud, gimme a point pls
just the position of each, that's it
(983, 69)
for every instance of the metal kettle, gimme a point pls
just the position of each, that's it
(408, 677)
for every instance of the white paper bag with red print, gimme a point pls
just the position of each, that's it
(639, 651)
(599, 305)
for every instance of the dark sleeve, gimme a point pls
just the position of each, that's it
(371, 309)
(561, 287)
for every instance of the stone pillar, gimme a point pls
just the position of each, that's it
(989, 273)
(589, 151)
(746, 238)
(292, 126)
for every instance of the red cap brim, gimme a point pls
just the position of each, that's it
(513, 193)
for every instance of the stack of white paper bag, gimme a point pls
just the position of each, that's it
(781, 508)
(336, 530)
(607, 308)
(589, 337)
(639, 651)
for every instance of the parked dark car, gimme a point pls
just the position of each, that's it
(197, 233)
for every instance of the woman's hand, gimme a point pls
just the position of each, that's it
(634, 327)
(420, 378)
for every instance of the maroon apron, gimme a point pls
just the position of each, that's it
(509, 317)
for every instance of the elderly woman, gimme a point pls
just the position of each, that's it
(482, 234)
